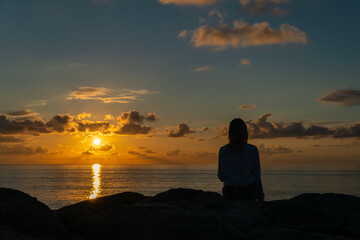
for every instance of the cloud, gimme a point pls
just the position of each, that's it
(89, 126)
(11, 139)
(247, 106)
(109, 117)
(133, 129)
(149, 151)
(148, 154)
(274, 149)
(188, 2)
(21, 113)
(260, 7)
(346, 97)
(218, 14)
(106, 95)
(183, 34)
(205, 154)
(202, 69)
(262, 128)
(130, 123)
(244, 35)
(21, 149)
(13, 126)
(37, 103)
(59, 122)
(221, 131)
(102, 148)
(176, 152)
(181, 130)
(83, 115)
(151, 117)
(245, 61)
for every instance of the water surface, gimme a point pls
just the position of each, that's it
(61, 185)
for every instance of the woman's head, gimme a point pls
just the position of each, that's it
(237, 134)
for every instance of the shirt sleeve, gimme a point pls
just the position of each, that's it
(220, 173)
(257, 167)
(259, 188)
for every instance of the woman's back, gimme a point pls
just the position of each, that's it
(240, 167)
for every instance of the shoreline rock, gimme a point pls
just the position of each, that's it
(181, 214)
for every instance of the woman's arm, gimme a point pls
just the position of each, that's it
(259, 189)
(220, 173)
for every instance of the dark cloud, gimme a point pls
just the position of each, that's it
(89, 126)
(151, 117)
(21, 113)
(10, 139)
(262, 128)
(176, 152)
(149, 151)
(41, 150)
(133, 129)
(243, 34)
(188, 2)
(221, 131)
(103, 148)
(247, 106)
(59, 122)
(21, 149)
(347, 132)
(205, 154)
(130, 123)
(13, 126)
(261, 7)
(274, 149)
(133, 153)
(347, 97)
(181, 130)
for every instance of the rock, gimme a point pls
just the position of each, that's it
(75, 213)
(24, 217)
(195, 214)
(182, 214)
(181, 194)
(334, 214)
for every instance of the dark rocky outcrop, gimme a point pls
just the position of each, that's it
(195, 214)
(24, 217)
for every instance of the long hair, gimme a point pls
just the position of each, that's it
(237, 134)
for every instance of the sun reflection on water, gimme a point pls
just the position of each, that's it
(96, 184)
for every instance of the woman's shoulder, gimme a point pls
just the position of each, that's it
(251, 147)
(224, 148)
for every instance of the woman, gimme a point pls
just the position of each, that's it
(239, 165)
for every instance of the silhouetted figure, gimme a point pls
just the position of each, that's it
(239, 165)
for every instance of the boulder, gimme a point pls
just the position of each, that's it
(24, 217)
(195, 214)
(181, 214)
(74, 214)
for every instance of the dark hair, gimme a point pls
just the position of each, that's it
(237, 134)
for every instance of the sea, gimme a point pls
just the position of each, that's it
(61, 185)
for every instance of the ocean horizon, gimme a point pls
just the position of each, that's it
(61, 185)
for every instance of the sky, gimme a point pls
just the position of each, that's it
(158, 81)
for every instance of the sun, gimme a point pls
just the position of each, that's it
(97, 141)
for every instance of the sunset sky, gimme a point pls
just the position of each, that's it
(158, 81)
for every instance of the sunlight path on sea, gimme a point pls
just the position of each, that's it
(96, 184)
